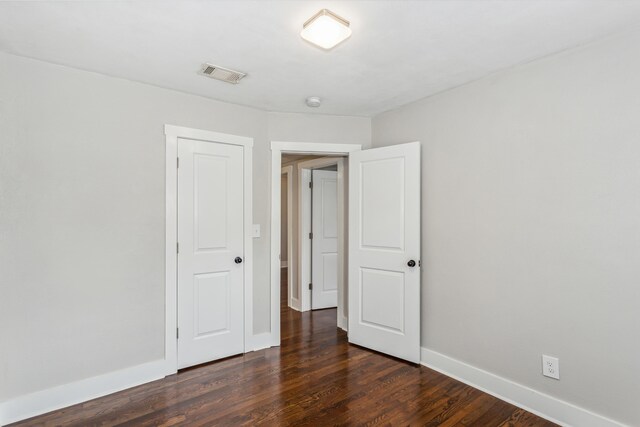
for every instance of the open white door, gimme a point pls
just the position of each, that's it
(324, 245)
(211, 248)
(384, 250)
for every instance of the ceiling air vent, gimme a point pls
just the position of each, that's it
(224, 74)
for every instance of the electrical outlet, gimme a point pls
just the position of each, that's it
(550, 367)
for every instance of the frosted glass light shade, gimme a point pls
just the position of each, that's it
(326, 29)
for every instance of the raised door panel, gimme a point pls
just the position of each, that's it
(382, 200)
(329, 272)
(382, 299)
(211, 306)
(211, 202)
(329, 208)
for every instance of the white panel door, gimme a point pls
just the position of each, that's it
(324, 245)
(210, 252)
(384, 250)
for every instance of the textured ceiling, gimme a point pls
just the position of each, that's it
(400, 51)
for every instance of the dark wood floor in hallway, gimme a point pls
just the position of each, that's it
(314, 379)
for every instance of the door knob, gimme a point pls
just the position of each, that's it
(411, 263)
(238, 260)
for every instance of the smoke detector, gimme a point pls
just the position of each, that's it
(313, 101)
(222, 74)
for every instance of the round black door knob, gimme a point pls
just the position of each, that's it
(411, 263)
(238, 260)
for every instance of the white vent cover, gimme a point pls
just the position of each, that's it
(223, 74)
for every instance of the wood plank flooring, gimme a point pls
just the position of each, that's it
(314, 379)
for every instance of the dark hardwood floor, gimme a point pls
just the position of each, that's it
(314, 379)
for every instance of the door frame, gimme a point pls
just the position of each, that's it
(172, 134)
(293, 302)
(277, 148)
(304, 228)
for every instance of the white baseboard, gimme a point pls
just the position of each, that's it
(275, 340)
(23, 407)
(343, 323)
(261, 341)
(41, 402)
(284, 264)
(295, 304)
(543, 405)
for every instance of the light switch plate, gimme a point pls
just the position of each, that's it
(256, 231)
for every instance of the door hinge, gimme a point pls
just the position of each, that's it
(177, 333)
(177, 247)
(311, 235)
(310, 184)
(178, 162)
(310, 286)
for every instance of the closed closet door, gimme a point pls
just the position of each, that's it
(210, 251)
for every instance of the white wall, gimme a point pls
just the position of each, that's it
(284, 256)
(296, 127)
(531, 222)
(82, 216)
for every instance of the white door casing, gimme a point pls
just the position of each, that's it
(292, 285)
(324, 252)
(384, 237)
(210, 238)
(277, 148)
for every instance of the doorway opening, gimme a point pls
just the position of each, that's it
(312, 233)
(383, 268)
(299, 160)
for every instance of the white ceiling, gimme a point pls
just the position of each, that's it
(400, 51)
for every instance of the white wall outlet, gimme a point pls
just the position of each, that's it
(550, 367)
(256, 231)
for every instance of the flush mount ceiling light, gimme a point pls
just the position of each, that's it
(326, 29)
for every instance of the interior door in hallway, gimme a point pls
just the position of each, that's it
(324, 245)
(384, 250)
(210, 251)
